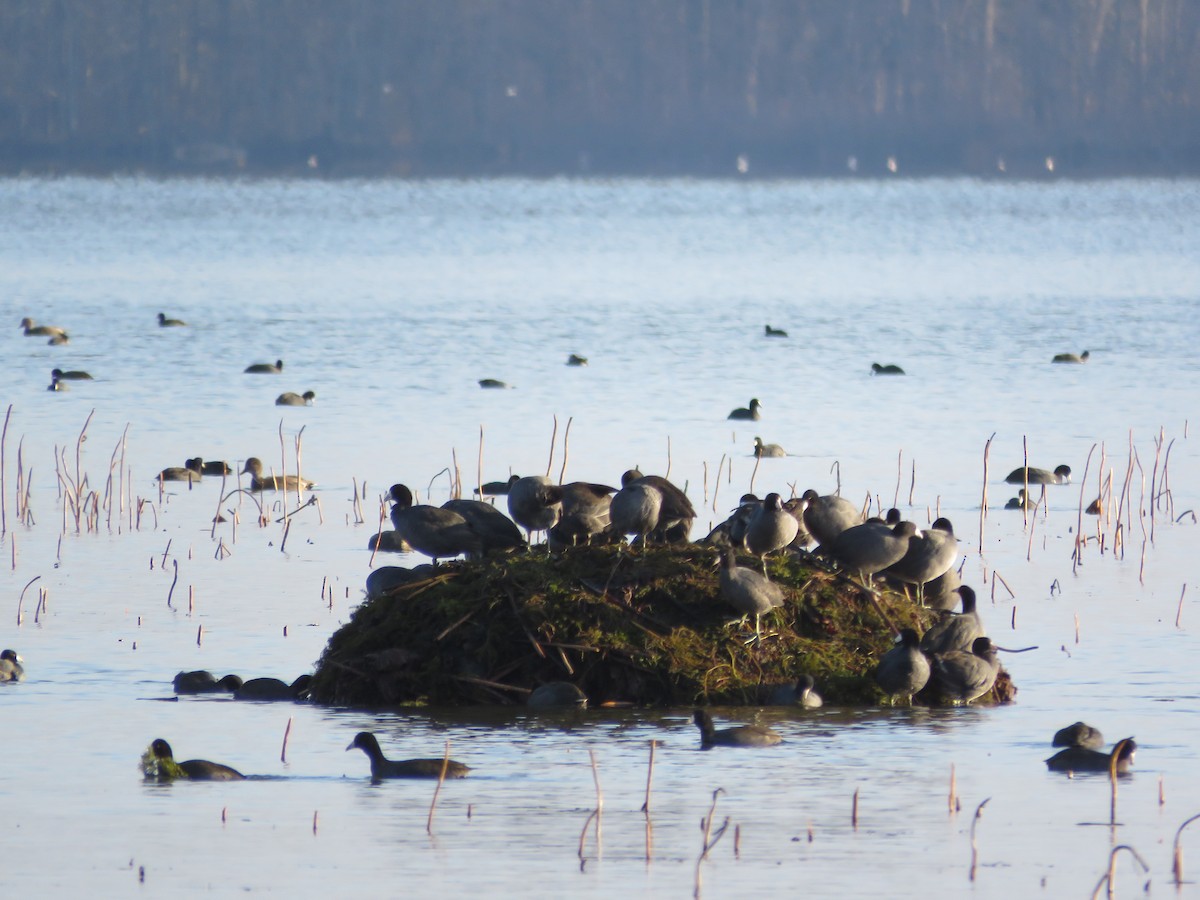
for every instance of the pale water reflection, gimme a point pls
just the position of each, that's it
(391, 300)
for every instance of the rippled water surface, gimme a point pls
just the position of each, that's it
(390, 300)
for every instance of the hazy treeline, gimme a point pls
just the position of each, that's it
(638, 86)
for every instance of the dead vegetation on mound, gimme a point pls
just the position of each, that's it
(638, 627)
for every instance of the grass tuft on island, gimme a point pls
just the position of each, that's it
(646, 628)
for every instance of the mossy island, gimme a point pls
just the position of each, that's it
(641, 627)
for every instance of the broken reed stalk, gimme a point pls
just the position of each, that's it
(599, 805)
(479, 465)
(1177, 864)
(899, 475)
(709, 840)
(3, 468)
(287, 732)
(649, 779)
(983, 500)
(1079, 541)
(562, 471)
(669, 460)
(287, 527)
(438, 789)
(21, 599)
(174, 581)
(753, 473)
(717, 483)
(912, 484)
(854, 811)
(1112, 778)
(1109, 878)
(553, 441)
(952, 799)
(974, 842)
(1179, 611)
(379, 531)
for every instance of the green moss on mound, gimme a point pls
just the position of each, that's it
(647, 628)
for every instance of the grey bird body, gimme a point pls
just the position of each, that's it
(748, 592)
(10, 666)
(903, 670)
(431, 530)
(827, 517)
(264, 368)
(770, 528)
(1085, 759)
(738, 736)
(955, 632)
(1078, 735)
(496, 530)
(802, 692)
(290, 398)
(747, 413)
(382, 767)
(872, 547)
(535, 503)
(1032, 475)
(768, 451)
(961, 677)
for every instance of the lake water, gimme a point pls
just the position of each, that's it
(390, 299)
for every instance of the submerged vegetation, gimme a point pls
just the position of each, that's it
(644, 627)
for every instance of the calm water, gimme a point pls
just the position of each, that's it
(390, 300)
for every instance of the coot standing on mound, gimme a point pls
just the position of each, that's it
(535, 503)
(748, 592)
(770, 528)
(439, 533)
(904, 669)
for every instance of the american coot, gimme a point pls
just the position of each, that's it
(877, 369)
(499, 488)
(261, 482)
(1083, 759)
(676, 515)
(388, 542)
(732, 532)
(1061, 475)
(961, 677)
(32, 329)
(770, 528)
(164, 322)
(273, 689)
(290, 398)
(57, 384)
(768, 451)
(201, 681)
(1021, 501)
(774, 332)
(750, 412)
(1071, 357)
(904, 670)
(942, 592)
(802, 692)
(264, 368)
(872, 547)
(386, 578)
(495, 530)
(493, 384)
(576, 360)
(186, 473)
(635, 510)
(738, 736)
(438, 533)
(586, 513)
(209, 467)
(557, 695)
(382, 767)
(535, 503)
(929, 556)
(955, 632)
(827, 517)
(748, 592)
(163, 766)
(74, 375)
(1078, 735)
(10, 666)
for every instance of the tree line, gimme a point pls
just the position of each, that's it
(602, 86)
